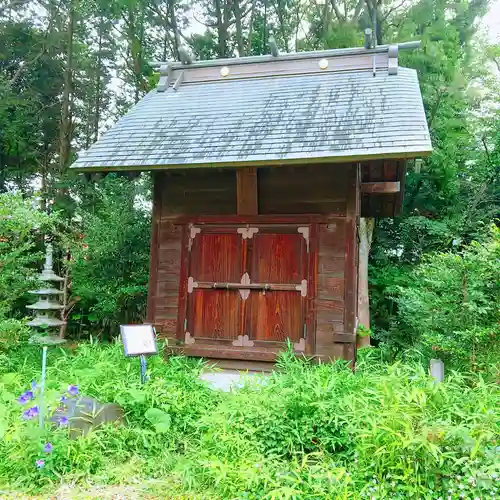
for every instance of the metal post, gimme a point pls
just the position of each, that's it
(143, 368)
(42, 385)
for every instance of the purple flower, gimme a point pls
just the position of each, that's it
(72, 390)
(63, 421)
(31, 413)
(25, 397)
(48, 448)
(64, 399)
(40, 463)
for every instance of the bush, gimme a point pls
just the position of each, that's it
(322, 431)
(12, 333)
(451, 305)
(110, 263)
(21, 225)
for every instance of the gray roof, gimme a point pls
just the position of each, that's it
(316, 117)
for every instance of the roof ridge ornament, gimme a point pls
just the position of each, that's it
(392, 55)
(165, 77)
(273, 46)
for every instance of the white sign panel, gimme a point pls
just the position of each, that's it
(138, 340)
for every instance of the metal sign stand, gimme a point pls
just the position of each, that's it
(143, 368)
(139, 341)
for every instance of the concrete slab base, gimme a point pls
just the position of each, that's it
(228, 380)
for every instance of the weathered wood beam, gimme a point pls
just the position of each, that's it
(246, 191)
(381, 187)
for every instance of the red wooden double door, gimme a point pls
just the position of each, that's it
(247, 287)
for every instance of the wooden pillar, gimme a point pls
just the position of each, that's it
(153, 252)
(246, 191)
(351, 250)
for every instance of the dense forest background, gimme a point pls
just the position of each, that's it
(69, 68)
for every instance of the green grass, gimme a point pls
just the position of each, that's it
(312, 432)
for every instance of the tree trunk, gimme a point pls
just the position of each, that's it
(281, 18)
(221, 29)
(366, 226)
(264, 42)
(250, 29)
(239, 30)
(65, 135)
(173, 23)
(97, 109)
(134, 22)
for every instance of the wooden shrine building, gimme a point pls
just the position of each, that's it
(262, 167)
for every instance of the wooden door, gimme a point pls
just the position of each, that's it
(213, 312)
(247, 287)
(275, 310)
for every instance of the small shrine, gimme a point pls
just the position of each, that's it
(48, 305)
(262, 168)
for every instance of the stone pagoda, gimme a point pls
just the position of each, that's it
(48, 305)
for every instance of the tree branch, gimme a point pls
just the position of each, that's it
(497, 62)
(336, 9)
(357, 10)
(390, 11)
(22, 67)
(12, 5)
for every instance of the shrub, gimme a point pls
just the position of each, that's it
(12, 333)
(451, 306)
(21, 224)
(110, 262)
(322, 431)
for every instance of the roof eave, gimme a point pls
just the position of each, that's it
(255, 163)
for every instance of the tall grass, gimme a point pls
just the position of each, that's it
(387, 431)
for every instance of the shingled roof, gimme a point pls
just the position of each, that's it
(325, 106)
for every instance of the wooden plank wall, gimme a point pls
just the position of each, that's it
(338, 278)
(198, 192)
(331, 287)
(314, 189)
(317, 190)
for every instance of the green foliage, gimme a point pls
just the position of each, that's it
(21, 225)
(453, 198)
(450, 304)
(12, 333)
(323, 432)
(309, 432)
(110, 261)
(109, 454)
(305, 431)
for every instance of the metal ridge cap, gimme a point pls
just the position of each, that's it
(355, 51)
